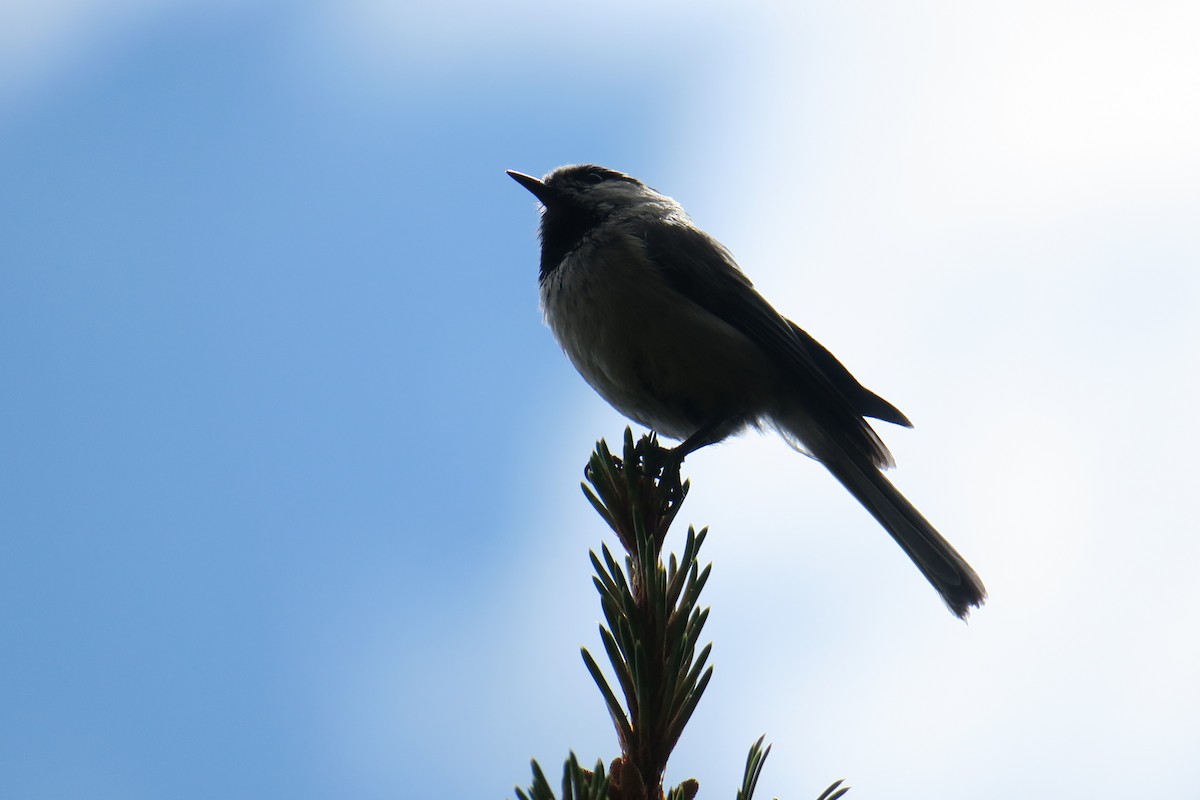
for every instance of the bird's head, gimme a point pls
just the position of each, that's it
(579, 198)
(586, 188)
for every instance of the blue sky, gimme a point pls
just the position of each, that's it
(289, 464)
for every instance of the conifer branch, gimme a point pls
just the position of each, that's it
(650, 634)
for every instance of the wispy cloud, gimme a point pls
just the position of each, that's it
(42, 41)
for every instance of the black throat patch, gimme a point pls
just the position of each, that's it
(564, 227)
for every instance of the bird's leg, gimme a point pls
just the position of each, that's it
(670, 460)
(654, 457)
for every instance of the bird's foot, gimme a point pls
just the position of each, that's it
(663, 464)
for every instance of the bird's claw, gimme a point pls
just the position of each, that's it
(663, 465)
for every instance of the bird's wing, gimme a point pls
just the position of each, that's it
(702, 270)
(865, 401)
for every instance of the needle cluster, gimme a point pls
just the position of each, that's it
(650, 634)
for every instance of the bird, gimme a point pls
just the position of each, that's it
(660, 320)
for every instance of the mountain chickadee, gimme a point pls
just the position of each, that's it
(658, 318)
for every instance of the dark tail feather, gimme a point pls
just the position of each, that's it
(938, 561)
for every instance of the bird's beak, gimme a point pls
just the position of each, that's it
(539, 189)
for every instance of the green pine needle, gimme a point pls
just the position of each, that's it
(754, 764)
(833, 792)
(620, 721)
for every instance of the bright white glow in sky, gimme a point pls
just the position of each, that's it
(288, 498)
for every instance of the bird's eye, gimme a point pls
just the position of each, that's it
(592, 178)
